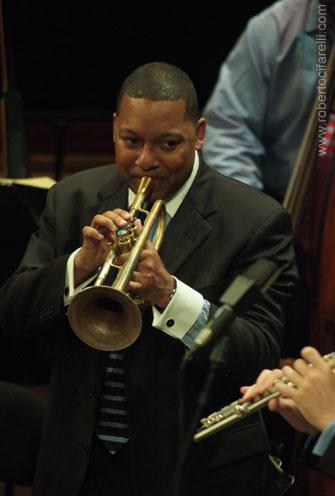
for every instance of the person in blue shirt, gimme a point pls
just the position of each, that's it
(258, 110)
(308, 407)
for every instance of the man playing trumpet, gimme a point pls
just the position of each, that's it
(113, 423)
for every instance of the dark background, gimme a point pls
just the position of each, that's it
(73, 55)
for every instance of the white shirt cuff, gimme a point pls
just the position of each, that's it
(181, 313)
(70, 290)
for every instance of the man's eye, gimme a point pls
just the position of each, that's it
(130, 142)
(169, 145)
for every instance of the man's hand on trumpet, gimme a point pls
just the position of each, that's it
(151, 281)
(310, 405)
(97, 238)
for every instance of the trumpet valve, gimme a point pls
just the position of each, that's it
(126, 237)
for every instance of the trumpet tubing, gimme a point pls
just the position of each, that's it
(238, 410)
(107, 317)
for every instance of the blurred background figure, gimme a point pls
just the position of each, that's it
(258, 110)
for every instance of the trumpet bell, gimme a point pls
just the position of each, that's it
(105, 318)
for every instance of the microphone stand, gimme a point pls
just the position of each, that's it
(217, 361)
(240, 294)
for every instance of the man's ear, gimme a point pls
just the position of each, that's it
(200, 133)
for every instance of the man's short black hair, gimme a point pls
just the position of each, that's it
(159, 81)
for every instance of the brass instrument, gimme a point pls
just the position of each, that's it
(237, 410)
(106, 317)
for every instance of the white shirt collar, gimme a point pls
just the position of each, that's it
(174, 203)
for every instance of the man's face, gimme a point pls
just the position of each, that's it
(152, 138)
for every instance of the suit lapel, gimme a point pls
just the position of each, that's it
(190, 226)
(113, 194)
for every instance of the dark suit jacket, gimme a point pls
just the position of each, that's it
(220, 229)
(325, 464)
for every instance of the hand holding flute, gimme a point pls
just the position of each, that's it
(303, 394)
(309, 405)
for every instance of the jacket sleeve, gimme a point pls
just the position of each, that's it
(33, 295)
(255, 336)
(324, 463)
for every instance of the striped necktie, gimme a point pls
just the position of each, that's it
(112, 426)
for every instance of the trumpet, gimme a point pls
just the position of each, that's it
(238, 410)
(106, 317)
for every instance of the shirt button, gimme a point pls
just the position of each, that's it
(66, 291)
(85, 448)
(170, 323)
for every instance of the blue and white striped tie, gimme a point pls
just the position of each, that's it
(112, 426)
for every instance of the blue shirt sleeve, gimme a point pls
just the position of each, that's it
(324, 439)
(191, 335)
(236, 110)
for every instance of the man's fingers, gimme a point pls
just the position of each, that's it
(111, 220)
(312, 356)
(264, 382)
(273, 405)
(300, 366)
(90, 232)
(291, 374)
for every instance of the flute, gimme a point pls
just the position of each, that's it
(238, 410)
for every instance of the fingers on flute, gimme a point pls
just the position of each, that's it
(292, 374)
(313, 357)
(300, 366)
(264, 382)
(274, 405)
(285, 390)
